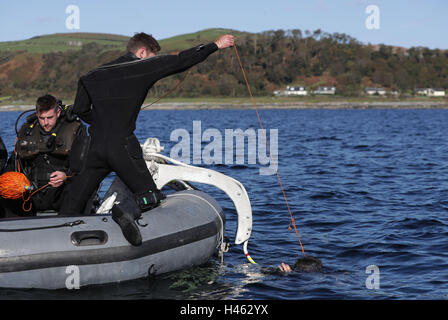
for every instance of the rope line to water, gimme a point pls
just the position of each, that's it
(170, 91)
(270, 154)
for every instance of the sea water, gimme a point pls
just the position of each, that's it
(367, 189)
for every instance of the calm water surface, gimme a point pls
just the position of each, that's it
(366, 187)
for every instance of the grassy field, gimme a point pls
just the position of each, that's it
(189, 40)
(308, 99)
(74, 41)
(63, 42)
(271, 101)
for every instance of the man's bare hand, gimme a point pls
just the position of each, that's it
(285, 267)
(225, 41)
(57, 178)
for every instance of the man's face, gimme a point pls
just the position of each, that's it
(47, 119)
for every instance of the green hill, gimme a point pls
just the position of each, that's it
(60, 42)
(272, 60)
(189, 40)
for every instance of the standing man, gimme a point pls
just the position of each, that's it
(42, 153)
(110, 98)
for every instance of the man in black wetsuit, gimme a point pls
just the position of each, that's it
(42, 152)
(110, 98)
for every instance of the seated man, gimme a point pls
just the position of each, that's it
(42, 153)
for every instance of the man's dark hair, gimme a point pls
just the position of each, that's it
(45, 103)
(143, 40)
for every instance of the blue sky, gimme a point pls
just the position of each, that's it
(402, 23)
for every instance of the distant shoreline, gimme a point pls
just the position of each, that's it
(279, 105)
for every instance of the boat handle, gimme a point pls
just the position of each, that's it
(89, 238)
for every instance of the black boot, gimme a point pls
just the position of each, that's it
(125, 216)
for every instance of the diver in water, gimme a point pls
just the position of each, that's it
(110, 98)
(305, 264)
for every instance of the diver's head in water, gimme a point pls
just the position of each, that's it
(47, 112)
(306, 264)
(143, 45)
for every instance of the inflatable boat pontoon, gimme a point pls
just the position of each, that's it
(187, 229)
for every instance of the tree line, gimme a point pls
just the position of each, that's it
(272, 60)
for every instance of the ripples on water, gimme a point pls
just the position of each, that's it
(366, 187)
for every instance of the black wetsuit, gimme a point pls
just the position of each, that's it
(116, 92)
(49, 152)
(3, 155)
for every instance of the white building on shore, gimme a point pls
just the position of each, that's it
(430, 92)
(325, 90)
(436, 92)
(296, 91)
(375, 91)
(292, 91)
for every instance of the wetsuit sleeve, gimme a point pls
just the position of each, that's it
(171, 64)
(3, 155)
(82, 107)
(11, 164)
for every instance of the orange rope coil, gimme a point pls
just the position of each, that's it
(14, 185)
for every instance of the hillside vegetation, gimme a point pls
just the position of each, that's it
(272, 59)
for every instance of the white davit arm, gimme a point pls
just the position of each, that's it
(165, 173)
